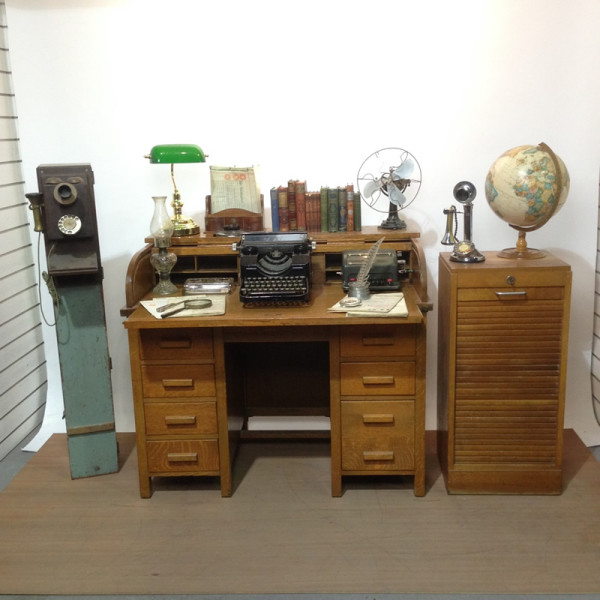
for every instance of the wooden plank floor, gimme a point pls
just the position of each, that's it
(282, 532)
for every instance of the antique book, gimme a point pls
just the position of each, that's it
(313, 211)
(324, 208)
(342, 209)
(350, 206)
(357, 212)
(332, 209)
(291, 200)
(282, 201)
(301, 205)
(274, 209)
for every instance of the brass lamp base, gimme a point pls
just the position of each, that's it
(184, 226)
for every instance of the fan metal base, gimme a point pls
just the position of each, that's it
(393, 222)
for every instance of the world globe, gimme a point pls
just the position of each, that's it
(525, 187)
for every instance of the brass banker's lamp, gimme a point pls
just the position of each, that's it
(171, 154)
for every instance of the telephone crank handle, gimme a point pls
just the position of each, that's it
(51, 288)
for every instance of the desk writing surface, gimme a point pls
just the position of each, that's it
(315, 313)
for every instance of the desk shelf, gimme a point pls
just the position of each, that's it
(212, 256)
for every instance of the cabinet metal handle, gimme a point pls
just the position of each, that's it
(510, 294)
(179, 457)
(367, 419)
(378, 380)
(174, 420)
(378, 455)
(178, 383)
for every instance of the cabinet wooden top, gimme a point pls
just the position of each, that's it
(493, 261)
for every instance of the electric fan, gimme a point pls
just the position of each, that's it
(389, 180)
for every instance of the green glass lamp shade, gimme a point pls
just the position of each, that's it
(176, 153)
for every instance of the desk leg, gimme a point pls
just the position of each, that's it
(335, 413)
(222, 413)
(145, 486)
(420, 379)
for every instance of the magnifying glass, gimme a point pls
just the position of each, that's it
(176, 307)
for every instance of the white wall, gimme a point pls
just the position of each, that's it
(308, 90)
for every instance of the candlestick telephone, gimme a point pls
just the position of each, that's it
(464, 250)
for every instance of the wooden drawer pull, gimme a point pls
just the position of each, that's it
(378, 380)
(378, 455)
(179, 343)
(180, 457)
(378, 341)
(173, 420)
(378, 419)
(178, 383)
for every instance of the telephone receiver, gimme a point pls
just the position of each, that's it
(464, 250)
(36, 203)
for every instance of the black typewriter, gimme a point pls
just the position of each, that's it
(275, 268)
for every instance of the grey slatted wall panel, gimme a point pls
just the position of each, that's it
(22, 362)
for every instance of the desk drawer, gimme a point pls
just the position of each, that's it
(507, 294)
(377, 341)
(378, 435)
(178, 381)
(183, 456)
(377, 378)
(181, 418)
(178, 344)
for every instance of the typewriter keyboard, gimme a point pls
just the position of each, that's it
(274, 288)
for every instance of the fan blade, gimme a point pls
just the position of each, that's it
(396, 196)
(373, 186)
(404, 171)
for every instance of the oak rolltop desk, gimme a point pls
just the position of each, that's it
(197, 381)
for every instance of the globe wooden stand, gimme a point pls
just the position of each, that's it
(521, 250)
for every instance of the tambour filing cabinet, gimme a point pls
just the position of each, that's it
(502, 357)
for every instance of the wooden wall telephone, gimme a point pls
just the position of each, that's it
(64, 210)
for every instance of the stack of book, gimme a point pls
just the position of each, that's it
(331, 209)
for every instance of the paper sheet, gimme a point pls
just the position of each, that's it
(234, 187)
(376, 304)
(217, 308)
(400, 310)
